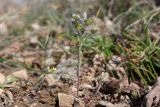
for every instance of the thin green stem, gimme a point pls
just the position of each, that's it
(79, 63)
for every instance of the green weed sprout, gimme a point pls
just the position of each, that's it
(81, 27)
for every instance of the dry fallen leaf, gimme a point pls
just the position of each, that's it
(133, 86)
(153, 96)
(124, 83)
(114, 84)
(11, 49)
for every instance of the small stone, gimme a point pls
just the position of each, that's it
(21, 74)
(68, 100)
(86, 86)
(34, 105)
(50, 80)
(3, 28)
(34, 40)
(149, 87)
(35, 26)
(108, 22)
(50, 61)
(112, 64)
(116, 59)
(104, 76)
(67, 48)
(2, 78)
(104, 104)
(127, 98)
(109, 104)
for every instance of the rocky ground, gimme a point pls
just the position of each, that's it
(38, 56)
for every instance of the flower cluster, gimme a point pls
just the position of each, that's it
(81, 25)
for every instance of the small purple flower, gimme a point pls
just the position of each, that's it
(80, 25)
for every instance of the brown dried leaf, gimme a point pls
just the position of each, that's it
(124, 82)
(11, 49)
(133, 86)
(153, 96)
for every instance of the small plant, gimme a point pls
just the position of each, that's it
(142, 53)
(44, 45)
(46, 68)
(81, 27)
(99, 44)
(41, 78)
